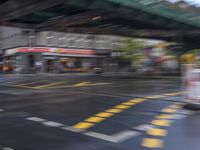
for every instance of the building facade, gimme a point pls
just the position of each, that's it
(28, 51)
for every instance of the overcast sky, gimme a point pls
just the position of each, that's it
(195, 2)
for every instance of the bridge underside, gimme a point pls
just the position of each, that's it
(96, 17)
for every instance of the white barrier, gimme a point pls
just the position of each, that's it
(192, 85)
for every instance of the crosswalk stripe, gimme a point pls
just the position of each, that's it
(36, 119)
(53, 124)
(143, 127)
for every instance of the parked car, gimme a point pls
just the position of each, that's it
(98, 70)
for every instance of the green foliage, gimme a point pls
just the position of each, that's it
(132, 49)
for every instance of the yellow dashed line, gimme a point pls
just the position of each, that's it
(164, 116)
(104, 114)
(122, 107)
(169, 110)
(157, 132)
(95, 119)
(114, 110)
(161, 122)
(171, 94)
(83, 125)
(137, 100)
(152, 143)
(81, 84)
(175, 106)
(129, 103)
(154, 97)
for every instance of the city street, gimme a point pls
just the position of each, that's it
(99, 75)
(90, 112)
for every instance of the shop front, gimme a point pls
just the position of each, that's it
(48, 60)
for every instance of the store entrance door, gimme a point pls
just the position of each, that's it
(31, 63)
(50, 66)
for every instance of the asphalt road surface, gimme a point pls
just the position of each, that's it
(85, 112)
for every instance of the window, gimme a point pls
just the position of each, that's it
(72, 42)
(62, 41)
(50, 39)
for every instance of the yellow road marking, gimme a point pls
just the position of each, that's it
(175, 106)
(97, 84)
(168, 110)
(104, 114)
(114, 110)
(128, 103)
(137, 100)
(154, 97)
(83, 125)
(51, 84)
(160, 122)
(152, 143)
(88, 84)
(95, 119)
(157, 132)
(122, 107)
(171, 94)
(25, 84)
(164, 116)
(119, 108)
(81, 84)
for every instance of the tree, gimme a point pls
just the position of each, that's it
(132, 50)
